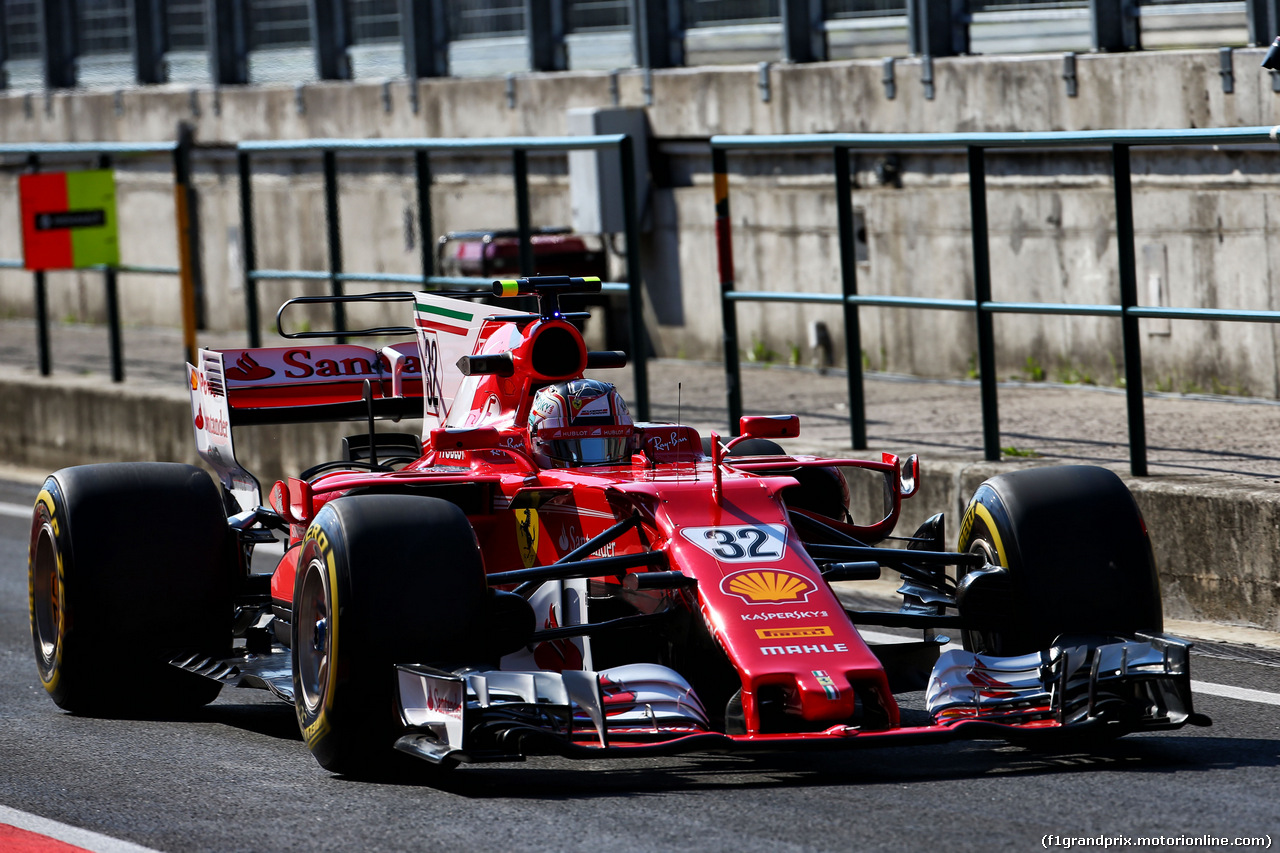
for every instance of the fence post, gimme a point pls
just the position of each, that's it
(59, 43)
(42, 301)
(1114, 26)
(228, 35)
(520, 174)
(333, 236)
(635, 288)
(937, 27)
(150, 40)
(1259, 18)
(186, 236)
(330, 38)
(658, 33)
(728, 310)
(545, 28)
(424, 34)
(422, 175)
(849, 287)
(803, 36)
(1129, 299)
(981, 296)
(248, 250)
(4, 50)
(110, 285)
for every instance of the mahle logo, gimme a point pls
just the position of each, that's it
(768, 586)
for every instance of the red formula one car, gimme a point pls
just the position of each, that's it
(535, 573)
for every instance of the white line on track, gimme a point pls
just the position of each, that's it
(15, 510)
(1242, 693)
(72, 835)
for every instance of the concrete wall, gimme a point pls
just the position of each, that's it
(1203, 217)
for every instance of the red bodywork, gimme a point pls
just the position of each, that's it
(722, 522)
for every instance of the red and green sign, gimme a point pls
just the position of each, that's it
(69, 220)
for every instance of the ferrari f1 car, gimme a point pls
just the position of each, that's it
(535, 573)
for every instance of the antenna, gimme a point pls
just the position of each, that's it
(679, 385)
(373, 441)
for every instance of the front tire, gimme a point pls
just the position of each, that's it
(382, 580)
(128, 565)
(1076, 555)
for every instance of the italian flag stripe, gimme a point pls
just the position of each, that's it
(443, 312)
(441, 327)
(441, 319)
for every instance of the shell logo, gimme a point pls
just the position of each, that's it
(768, 586)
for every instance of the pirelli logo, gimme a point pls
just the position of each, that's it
(794, 633)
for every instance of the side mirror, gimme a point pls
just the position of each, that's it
(1272, 59)
(769, 426)
(910, 476)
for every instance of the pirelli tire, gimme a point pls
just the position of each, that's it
(382, 580)
(1077, 556)
(129, 565)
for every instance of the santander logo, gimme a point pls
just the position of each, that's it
(320, 363)
(212, 425)
(248, 370)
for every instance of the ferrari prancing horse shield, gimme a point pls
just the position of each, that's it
(527, 535)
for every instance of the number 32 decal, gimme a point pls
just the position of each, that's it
(741, 543)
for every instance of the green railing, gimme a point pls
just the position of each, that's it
(1127, 309)
(103, 155)
(420, 150)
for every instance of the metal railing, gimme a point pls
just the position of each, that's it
(1127, 310)
(420, 150)
(102, 155)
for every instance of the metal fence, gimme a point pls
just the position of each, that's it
(1126, 309)
(420, 150)
(69, 43)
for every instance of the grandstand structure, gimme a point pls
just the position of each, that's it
(65, 44)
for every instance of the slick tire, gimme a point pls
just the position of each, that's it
(1077, 556)
(129, 565)
(382, 580)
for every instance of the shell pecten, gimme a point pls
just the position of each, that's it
(765, 585)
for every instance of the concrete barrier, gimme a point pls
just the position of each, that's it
(1215, 539)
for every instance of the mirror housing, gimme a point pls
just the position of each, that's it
(1272, 59)
(909, 478)
(769, 426)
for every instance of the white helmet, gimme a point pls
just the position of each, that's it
(580, 422)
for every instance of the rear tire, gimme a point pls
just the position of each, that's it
(129, 565)
(382, 580)
(1077, 556)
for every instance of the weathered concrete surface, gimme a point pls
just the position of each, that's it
(1203, 217)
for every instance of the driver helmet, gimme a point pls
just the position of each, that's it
(579, 422)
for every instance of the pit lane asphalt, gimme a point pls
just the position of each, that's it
(236, 776)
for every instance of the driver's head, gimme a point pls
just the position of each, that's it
(579, 422)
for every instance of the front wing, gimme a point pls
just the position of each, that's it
(1105, 685)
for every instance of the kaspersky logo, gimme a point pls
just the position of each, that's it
(768, 586)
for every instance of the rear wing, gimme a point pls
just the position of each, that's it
(312, 384)
(448, 376)
(296, 384)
